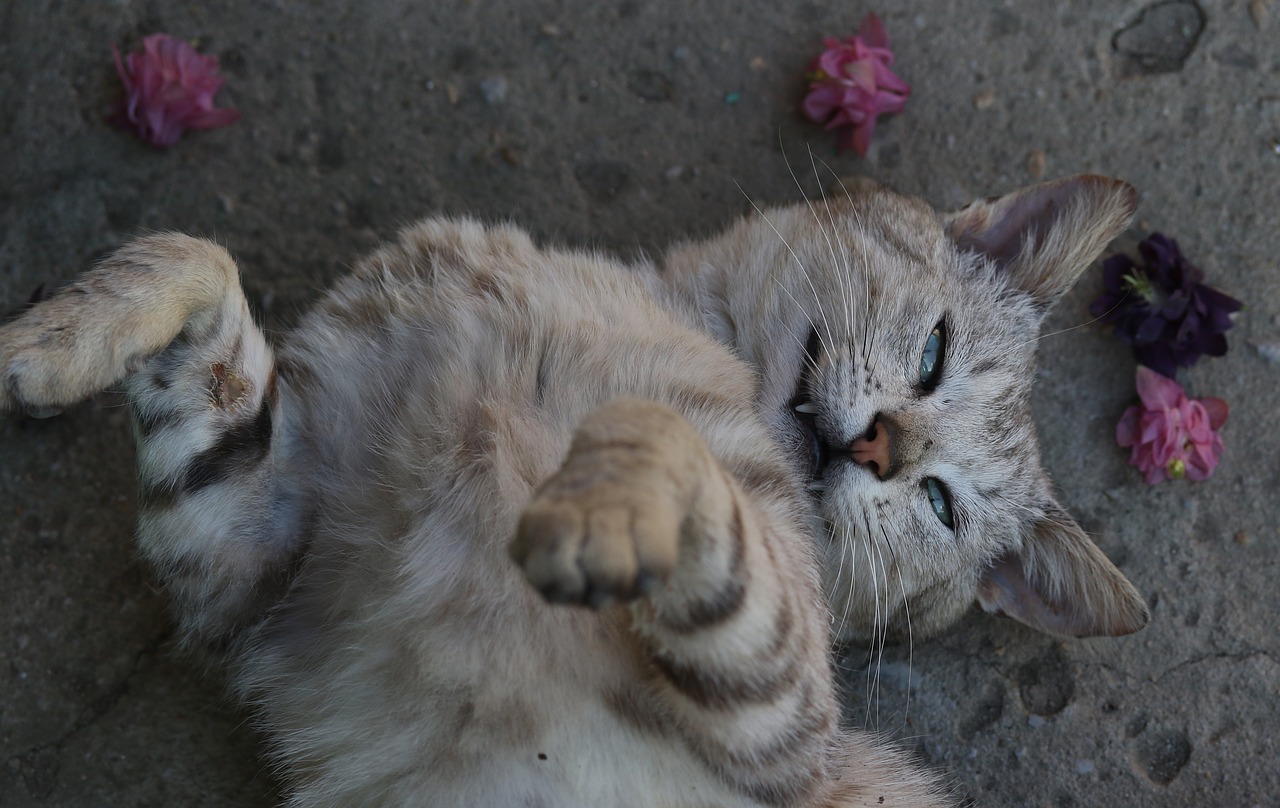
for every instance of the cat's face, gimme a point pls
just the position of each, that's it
(896, 348)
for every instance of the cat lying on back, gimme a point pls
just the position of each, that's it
(828, 396)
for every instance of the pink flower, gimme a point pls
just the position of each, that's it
(850, 84)
(169, 88)
(1172, 436)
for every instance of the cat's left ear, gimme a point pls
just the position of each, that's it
(1046, 235)
(1060, 582)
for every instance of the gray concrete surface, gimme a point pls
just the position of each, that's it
(614, 130)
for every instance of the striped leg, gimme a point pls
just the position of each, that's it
(731, 615)
(166, 314)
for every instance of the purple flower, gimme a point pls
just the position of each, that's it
(169, 88)
(850, 84)
(1162, 308)
(1171, 436)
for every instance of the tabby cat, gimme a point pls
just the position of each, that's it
(501, 524)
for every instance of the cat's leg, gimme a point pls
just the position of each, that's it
(166, 315)
(727, 603)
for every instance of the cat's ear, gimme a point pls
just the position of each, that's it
(1045, 235)
(1060, 582)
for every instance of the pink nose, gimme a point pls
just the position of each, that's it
(874, 452)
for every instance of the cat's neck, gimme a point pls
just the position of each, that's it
(720, 284)
(698, 277)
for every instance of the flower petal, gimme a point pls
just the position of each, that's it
(872, 31)
(1157, 391)
(1217, 411)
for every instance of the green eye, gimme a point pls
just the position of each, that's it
(935, 349)
(939, 501)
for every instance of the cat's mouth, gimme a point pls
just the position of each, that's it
(813, 450)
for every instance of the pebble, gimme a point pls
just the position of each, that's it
(1270, 351)
(1036, 162)
(549, 29)
(1244, 538)
(983, 99)
(1258, 11)
(1084, 767)
(674, 173)
(1035, 721)
(494, 89)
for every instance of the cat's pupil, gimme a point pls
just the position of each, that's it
(931, 359)
(939, 501)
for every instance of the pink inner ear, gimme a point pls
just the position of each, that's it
(997, 228)
(1005, 590)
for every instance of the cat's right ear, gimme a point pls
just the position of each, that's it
(1045, 235)
(1060, 582)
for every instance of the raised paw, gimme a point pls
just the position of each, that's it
(607, 526)
(92, 333)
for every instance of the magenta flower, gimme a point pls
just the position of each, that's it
(1171, 436)
(169, 88)
(850, 84)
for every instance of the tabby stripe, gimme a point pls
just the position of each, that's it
(149, 422)
(807, 720)
(717, 690)
(243, 444)
(748, 769)
(723, 604)
(984, 367)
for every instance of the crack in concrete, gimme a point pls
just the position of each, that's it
(38, 767)
(1237, 656)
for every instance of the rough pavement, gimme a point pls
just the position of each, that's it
(627, 125)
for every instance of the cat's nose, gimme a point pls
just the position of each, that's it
(875, 449)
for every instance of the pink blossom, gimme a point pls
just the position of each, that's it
(850, 84)
(1172, 436)
(169, 88)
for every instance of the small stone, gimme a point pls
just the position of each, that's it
(226, 203)
(1258, 11)
(549, 29)
(680, 54)
(494, 89)
(1036, 163)
(1269, 351)
(1084, 767)
(674, 173)
(1244, 538)
(732, 98)
(757, 64)
(983, 99)
(1160, 40)
(1035, 721)
(451, 93)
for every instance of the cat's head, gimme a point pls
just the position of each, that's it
(896, 351)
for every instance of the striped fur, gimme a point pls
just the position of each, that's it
(335, 520)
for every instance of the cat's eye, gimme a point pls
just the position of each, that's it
(935, 349)
(939, 501)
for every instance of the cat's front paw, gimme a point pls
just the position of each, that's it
(606, 527)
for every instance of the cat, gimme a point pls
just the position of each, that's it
(502, 524)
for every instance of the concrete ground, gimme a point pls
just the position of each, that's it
(627, 124)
